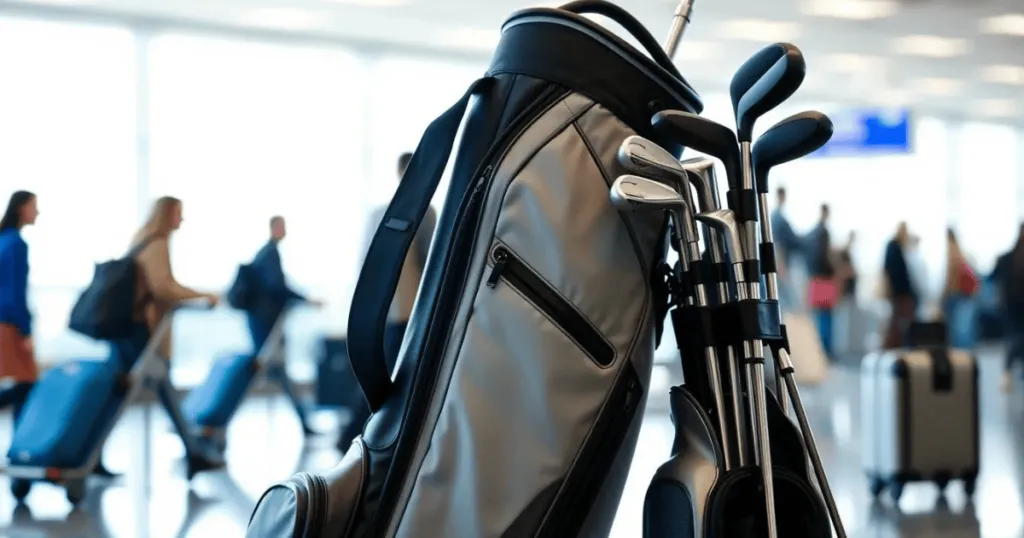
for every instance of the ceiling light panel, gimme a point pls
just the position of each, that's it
(851, 63)
(477, 39)
(1003, 74)
(284, 19)
(997, 108)
(931, 46)
(858, 10)
(1010, 24)
(759, 30)
(938, 87)
(372, 3)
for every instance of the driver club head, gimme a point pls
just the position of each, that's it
(635, 193)
(790, 139)
(641, 156)
(724, 221)
(763, 82)
(704, 136)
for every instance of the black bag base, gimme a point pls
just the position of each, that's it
(737, 507)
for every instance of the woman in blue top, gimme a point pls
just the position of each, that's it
(17, 359)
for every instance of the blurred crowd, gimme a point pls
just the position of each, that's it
(973, 306)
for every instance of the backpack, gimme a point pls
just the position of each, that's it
(106, 309)
(243, 292)
(519, 391)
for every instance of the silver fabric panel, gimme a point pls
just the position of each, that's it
(941, 425)
(522, 396)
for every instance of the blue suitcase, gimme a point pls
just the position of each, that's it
(213, 403)
(67, 414)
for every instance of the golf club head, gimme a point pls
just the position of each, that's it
(704, 136)
(790, 139)
(701, 174)
(635, 193)
(641, 156)
(724, 221)
(763, 82)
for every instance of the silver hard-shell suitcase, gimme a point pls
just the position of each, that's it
(920, 418)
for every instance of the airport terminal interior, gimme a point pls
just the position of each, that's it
(244, 110)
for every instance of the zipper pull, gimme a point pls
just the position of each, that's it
(500, 261)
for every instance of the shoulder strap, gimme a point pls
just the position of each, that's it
(382, 267)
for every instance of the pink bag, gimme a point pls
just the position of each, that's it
(824, 293)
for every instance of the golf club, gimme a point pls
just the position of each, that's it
(680, 20)
(702, 177)
(719, 141)
(639, 153)
(724, 220)
(788, 140)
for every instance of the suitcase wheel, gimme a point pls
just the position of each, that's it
(941, 483)
(877, 486)
(20, 488)
(895, 491)
(75, 491)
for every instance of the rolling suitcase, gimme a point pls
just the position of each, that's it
(920, 418)
(517, 399)
(213, 403)
(63, 412)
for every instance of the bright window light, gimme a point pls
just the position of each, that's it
(938, 87)
(997, 108)
(1003, 74)
(284, 19)
(482, 39)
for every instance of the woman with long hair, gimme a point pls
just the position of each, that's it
(17, 356)
(156, 294)
(1009, 275)
(961, 286)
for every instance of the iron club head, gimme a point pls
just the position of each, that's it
(702, 176)
(635, 193)
(788, 140)
(641, 156)
(724, 221)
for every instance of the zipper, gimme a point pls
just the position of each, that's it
(586, 477)
(519, 275)
(458, 257)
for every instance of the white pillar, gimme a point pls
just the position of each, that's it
(953, 178)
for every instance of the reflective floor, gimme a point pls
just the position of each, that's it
(265, 445)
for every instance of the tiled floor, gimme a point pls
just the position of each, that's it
(265, 445)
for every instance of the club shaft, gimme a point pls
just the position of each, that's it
(812, 451)
(771, 285)
(680, 20)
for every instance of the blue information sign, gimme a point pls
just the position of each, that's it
(868, 131)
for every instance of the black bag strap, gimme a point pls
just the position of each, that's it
(382, 267)
(630, 24)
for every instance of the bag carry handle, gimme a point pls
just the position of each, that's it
(382, 268)
(630, 24)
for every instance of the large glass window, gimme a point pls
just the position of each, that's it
(67, 133)
(986, 177)
(871, 195)
(242, 131)
(400, 113)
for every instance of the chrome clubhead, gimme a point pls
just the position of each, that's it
(701, 174)
(635, 193)
(641, 156)
(724, 221)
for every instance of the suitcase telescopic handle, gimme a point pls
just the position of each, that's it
(630, 24)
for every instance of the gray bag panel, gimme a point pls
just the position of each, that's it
(941, 428)
(518, 398)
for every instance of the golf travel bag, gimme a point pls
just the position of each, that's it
(519, 391)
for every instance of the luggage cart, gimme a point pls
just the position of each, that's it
(149, 372)
(268, 367)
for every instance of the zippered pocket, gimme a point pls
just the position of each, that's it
(557, 309)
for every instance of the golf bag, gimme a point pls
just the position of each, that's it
(517, 399)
